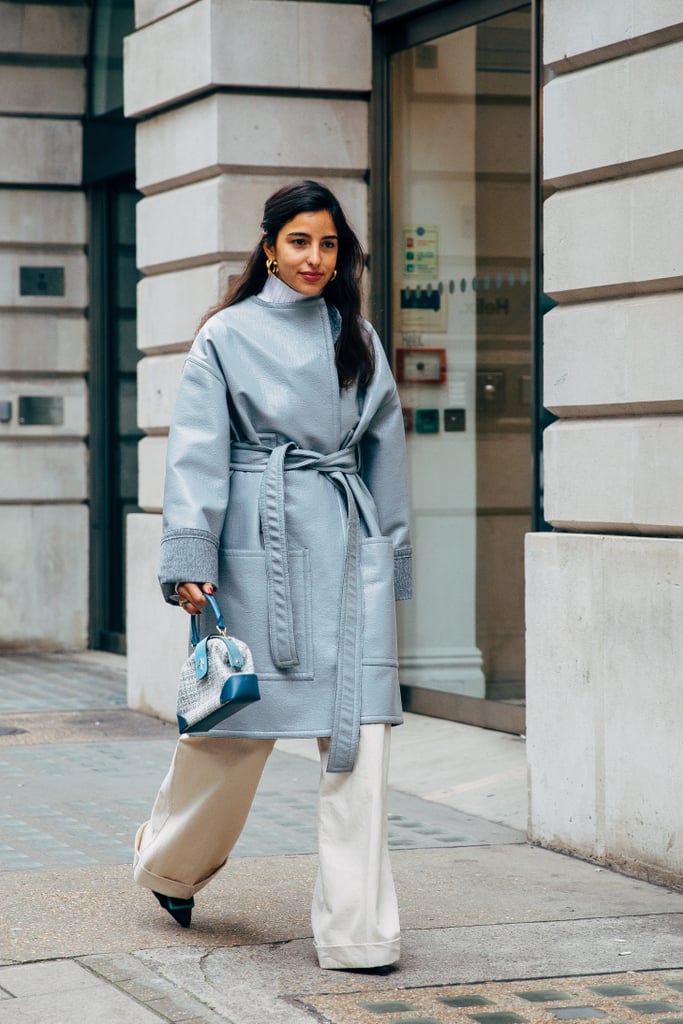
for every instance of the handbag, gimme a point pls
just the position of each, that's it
(217, 679)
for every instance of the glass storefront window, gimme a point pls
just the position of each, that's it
(461, 206)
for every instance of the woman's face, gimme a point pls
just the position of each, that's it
(306, 251)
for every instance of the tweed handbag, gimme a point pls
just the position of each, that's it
(217, 679)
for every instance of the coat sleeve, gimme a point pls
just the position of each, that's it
(197, 475)
(384, 469)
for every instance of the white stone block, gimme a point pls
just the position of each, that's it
(38, 90)
(152, 469)
(599, 239)
(44, 29)
(220, 218)
(230, 131)
(158, 380)
(47, 544)
(588, 32)
(71, 390)
(43, 471)
(264, 44)
(604, 700)
(184, 227)
(585, 139)
(156, 633)
(40, 151)
(334, 43)
(37, 217)
(147, 11)
(602, 358)
(615, 475)
(43, 343)
(184, 39)
(170, 306)
(75, 279)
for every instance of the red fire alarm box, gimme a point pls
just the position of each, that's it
(420, 365)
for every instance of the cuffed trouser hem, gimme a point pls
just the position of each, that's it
(158, 883)
(199, 813)
(341, 958)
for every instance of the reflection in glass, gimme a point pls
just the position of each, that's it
(461, 253)
(112, 20)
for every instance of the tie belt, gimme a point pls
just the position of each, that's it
(274, 463)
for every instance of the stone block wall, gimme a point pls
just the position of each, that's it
(603, 660)
(43, 336)
(233, 100)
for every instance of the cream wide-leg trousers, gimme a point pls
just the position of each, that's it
(203, 804)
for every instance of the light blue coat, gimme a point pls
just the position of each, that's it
(292, 497)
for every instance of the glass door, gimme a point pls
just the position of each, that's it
(461, 242)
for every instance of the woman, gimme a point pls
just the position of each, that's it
(286, 491)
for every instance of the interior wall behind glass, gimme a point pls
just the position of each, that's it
(461, 257)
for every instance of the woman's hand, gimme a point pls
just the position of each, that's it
(191, 596)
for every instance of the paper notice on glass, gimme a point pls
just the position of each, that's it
(422, 309)
(420, 251)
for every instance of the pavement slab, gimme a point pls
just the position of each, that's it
(81, 803)
(261, 900)
(62, 992)
(281, 982)
(37, 727)
(61, 682)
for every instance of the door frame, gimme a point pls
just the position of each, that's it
(400, 25)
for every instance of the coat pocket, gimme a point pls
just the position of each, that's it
(379, 612)
(243, 597)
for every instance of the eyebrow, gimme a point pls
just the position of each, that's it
(306, 234)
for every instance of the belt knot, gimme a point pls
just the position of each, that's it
(274, 462)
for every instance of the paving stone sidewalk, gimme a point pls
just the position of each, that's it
(81, 803)
(495, 932)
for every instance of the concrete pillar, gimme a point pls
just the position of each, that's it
(227, 94)
(603, 665)
(43, 328)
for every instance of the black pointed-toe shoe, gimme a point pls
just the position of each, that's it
(382, 969)
(180, 910)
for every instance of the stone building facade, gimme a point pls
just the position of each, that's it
(604, 651)
(429, 118)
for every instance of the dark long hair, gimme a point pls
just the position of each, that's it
(354, 357)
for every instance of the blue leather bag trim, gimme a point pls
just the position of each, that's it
(238, 691)
(201, 660)
(220, 621)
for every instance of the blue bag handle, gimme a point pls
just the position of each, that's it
(220, 621)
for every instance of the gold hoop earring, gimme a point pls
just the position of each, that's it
(272, 267)
(334, 274)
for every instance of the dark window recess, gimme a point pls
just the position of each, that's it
(109, 174)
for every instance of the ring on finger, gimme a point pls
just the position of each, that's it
(183, 602)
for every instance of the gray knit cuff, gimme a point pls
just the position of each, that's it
(403, 574)
(187, 556)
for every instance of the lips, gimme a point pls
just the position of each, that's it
(312, 278)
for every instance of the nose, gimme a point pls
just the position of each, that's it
(314, 255)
